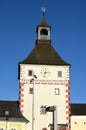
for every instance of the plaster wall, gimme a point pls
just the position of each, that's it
(78, 122)
(44, 94)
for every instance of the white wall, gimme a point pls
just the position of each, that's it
(44, 94)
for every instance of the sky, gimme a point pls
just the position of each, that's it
(18, 22)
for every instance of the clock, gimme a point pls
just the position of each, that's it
(45, 72)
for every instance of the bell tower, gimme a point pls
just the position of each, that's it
(43, 30)
(44, 79)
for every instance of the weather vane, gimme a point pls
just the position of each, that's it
(43, 9)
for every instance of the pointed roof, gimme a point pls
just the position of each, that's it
(43, 23)
(44, 53)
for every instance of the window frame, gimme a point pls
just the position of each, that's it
(30, 90)
(13, 129)
(1, 128)
(30, 72)
(44, 32)
(57, 91)
(59, 73)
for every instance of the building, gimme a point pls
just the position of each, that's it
(44, 82)
(10, 116)
(50, 84)
(78, 116)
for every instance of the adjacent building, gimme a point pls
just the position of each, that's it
(11, 117)
(78, 116)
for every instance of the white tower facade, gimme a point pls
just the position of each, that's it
(44, 81)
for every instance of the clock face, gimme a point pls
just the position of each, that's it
(45, 72)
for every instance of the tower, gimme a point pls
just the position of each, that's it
(44, 81)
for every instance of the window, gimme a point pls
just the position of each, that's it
(59, 73)
(57, 91)
(84, 122)
(31, 91)
(75, 122)
(30, 73)
(43, 32)
(43, 109)
(44, 128)
(1, 129)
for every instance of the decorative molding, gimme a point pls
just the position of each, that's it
(68, 112)
(68, 106)
(21, 89)
(21, 111)
(21, 95)
(21, 100)
(21, 84)
(67, 85)
(67, 128)
(56, 82)
(21, 105)
(67, 96)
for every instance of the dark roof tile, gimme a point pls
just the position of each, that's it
(78, 109)
(14, 112)
(43, 23)
(44, 54)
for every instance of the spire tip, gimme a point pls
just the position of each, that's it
(43, 9)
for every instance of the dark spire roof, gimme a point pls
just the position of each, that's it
(44, 54)
(43, 23)
(14, 112)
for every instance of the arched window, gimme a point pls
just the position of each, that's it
(43, 32)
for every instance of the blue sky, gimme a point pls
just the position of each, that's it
(18, 21)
